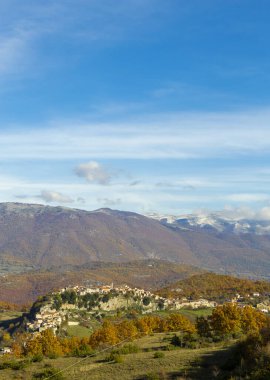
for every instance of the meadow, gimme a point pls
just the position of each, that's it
(170, 363)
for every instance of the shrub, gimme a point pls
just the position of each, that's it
(128, 349)
(105, 298)
(37, 358)
(159, 355)
(13, 364)
(170, 347)
(83, 351)
(53, 355)
(152, 376)
(114, 357)
(146, 301)
(177, 341)
(48, 372)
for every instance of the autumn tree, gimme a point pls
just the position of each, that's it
(230, 319)
(46, 344)
(203, 326)
(177, 322)
(252, 320)
(226, 319)
(107, 335)
(127, 330)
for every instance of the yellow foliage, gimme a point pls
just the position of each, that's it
(6, 337)
(17, 349)
(127, 330)
(46, 344)
(226, 319)
(252, 320)
(230, 319)
(148, 324)
(107, 335)
(177, 322)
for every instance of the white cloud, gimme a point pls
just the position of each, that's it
(93, 172)
(246, 197)
(176, 136)
(239, 213)
(54, 196)
(263, 214)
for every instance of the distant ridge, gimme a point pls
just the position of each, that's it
(45, 236)
(149, 274)
(34, 236)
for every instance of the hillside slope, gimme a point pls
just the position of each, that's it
(214, 286)
(47, 236)
(24, 288)
(39, 237)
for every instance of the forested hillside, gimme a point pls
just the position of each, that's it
(214, 286)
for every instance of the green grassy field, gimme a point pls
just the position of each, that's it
(194, 313)
(180, 363)
(191, 314)
(79, 331)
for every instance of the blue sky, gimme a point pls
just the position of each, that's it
(143, 105)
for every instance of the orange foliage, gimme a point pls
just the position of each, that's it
(225, 319)
(44, 344)
(177, 322)
(107, 335)
(232, 319)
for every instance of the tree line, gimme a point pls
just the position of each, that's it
(226, 320)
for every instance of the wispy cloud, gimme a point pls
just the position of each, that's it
(13, 49)
(25, 25)
(178, 136)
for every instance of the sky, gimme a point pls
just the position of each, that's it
(150, 106)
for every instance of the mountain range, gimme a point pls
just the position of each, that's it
(216, 222)
(35, 236)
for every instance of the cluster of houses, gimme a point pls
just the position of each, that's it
(50, 318)
(123, 297)
(46, 318)
(263, 306)
(104, 289)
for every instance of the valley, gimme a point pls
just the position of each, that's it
(111, 292)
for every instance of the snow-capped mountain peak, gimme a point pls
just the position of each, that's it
(215, 222)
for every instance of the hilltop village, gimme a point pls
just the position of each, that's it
(72, 305)
(76, 305)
